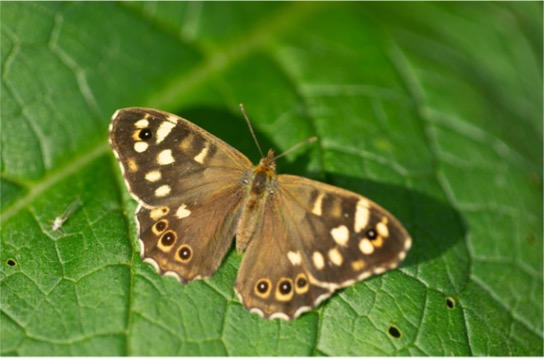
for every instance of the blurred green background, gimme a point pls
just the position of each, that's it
(433, 110)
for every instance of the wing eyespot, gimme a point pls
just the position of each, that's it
(263, 288)
(301, 284)
(166, 241)
(160, 226)
(184, 254)
(145, 134)
(371, 234)
(168, 238)
(284, 289)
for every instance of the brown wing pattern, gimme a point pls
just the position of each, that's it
(187, 182)
(321, 236)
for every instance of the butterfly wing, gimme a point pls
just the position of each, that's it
(187, 183)
(315, 238)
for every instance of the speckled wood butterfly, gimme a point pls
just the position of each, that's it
(303, 239)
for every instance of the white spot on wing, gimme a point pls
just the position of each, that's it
(382, 229)
(142, 123)
(301, 310)
(257, 311)
(141, 246)
(183, 212)
(294, 257)
(165, 157)
(407, 244)
(364, 275)
(164, 129)
(340, 235)
(321, 298)
(317, 209)
(318, 260)
(162, 191)
(153, 176)
(157, 213)
(153, 263)
(201, 156)
(366, 247)
(278, 315)
(335, 256)
(362, 215)
(140, 146)
(174, 275)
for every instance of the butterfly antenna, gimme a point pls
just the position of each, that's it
(251, 129)
(297, 146)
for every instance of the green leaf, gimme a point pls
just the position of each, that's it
(433, 110)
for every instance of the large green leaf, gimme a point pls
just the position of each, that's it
(433, 110)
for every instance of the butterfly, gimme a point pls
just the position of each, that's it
(302, 239)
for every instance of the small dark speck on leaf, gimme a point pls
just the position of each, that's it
(11, 262)
(451, 303)
(394, 332)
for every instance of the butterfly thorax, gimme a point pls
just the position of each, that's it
(261, 184)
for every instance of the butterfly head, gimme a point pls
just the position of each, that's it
(267, 163)
(264, 172)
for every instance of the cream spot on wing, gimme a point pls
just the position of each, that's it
(340, 235)
(362, 215)
(153, 176)
(113, 117)
(163, 130)
(173, 119)
(317, 208)
(378, 242)
(159, 212)
(202, 155)
(142, 123)
(162, 191)
(382, 229)
(133, 166)
(358, 265)
(301, 310)
(379, 270)
(407, 244)
(318, 260)
(183, 212)
(366, 247)
(165, 157)
(140, 146)
(393, 265)
(153, 263)
(335, 256)
(294, 257)
(256, 311)
(173, 274)
(280, 316)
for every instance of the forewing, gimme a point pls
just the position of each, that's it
(351, 237)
